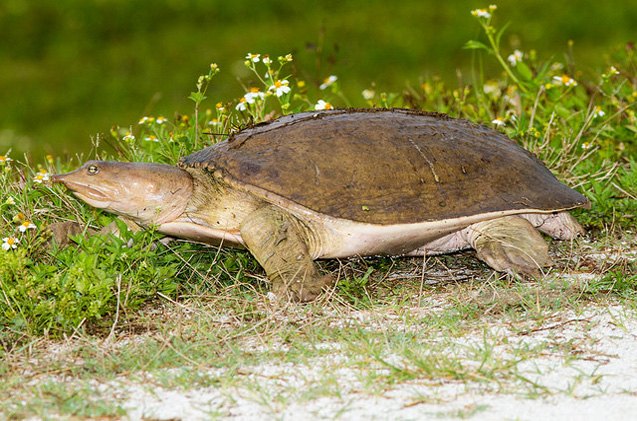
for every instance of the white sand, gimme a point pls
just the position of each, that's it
(599, 383)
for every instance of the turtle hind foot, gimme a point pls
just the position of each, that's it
(510, 244)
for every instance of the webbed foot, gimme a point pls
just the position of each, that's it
(510, 244)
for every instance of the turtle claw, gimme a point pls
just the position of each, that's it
(302, 291)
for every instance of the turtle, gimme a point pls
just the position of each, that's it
(347, 182)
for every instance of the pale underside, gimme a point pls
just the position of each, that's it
(329, 237)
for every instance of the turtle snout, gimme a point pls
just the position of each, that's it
(58, 178)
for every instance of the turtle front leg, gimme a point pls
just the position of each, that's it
(509, 243)
(276, 239)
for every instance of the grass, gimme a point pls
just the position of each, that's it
(109, 316)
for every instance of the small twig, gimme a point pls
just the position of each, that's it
(553, 326)
(167, 298)
(422, 277)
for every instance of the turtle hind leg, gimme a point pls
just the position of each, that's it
(276, 239)
(509, 244)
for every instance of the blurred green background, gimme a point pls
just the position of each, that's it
(70, 69)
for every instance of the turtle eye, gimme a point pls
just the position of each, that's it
(92, 170)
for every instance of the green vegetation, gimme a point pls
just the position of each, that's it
(583, 131)
(69, 69)
(191, 307)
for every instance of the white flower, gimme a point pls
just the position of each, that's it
(613, 70)
(515, 58)
(329, 81)
(253, 95)
(4, 159)
(368, 94)
(280, 87)
(26, 225)
(41, 176)
(9, 243)
(598, 112)
(323, 105)
(161, 119)
(241, 106)
(498, 121)
(151, 138)
(129, 136)
(255, 58)
(586, 145)
(564, 80)
(481, 13)
(10, 201)
(266, 60)
(145, 120)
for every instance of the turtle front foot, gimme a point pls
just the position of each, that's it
(62, 232)
(302, 291)
(510, 244)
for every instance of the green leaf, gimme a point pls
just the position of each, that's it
(523, 70)
(475, 45)
(500, 33)
(197, 97)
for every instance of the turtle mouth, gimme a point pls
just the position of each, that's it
(96, 197)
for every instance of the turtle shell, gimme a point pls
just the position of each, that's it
(387, 166)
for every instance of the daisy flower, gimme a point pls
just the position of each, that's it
(280, 87)
(242, 105)
(4, 159)
(564, 80)
(598, 112)
(329, 81)
(255, 58)
(9, 243)
(26, 225)
(41, 176)
(253, 95)
(481, 13)
(322, 105)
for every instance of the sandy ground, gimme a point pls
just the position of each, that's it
(600, 382)
(586, 369)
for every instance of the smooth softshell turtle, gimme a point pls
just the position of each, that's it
(344, 183)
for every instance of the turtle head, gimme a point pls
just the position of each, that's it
(146, 193)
